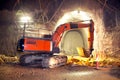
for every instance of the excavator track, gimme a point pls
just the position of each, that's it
(43, 60)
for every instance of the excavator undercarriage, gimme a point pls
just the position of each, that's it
(43, 60)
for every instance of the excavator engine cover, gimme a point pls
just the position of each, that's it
(34, 44)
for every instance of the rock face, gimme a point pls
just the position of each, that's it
(106, 21)
(8, 41)
(111, 32)
(9, 33)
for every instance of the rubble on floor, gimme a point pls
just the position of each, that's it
(83, 61)
(8, 59)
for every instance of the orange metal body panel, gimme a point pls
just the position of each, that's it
(34, 44)
(58, 33)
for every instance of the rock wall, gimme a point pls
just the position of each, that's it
(111, 38)
(9, 33)
(9, 36)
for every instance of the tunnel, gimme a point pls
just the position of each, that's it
(72, 40)
(105, 17)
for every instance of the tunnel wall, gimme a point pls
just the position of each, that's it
(8, 40)
(111, 34)
(9, 33)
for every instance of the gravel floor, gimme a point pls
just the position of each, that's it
(68, 72)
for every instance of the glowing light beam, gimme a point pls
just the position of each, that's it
(74, 16)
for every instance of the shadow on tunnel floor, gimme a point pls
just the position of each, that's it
(115, 72)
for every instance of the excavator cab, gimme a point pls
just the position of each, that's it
(20, 45)
(47, 36)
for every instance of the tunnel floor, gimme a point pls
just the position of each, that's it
(67, 72)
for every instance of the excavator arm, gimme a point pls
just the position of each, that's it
(69, 26)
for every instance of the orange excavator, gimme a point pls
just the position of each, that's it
(40, 51)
